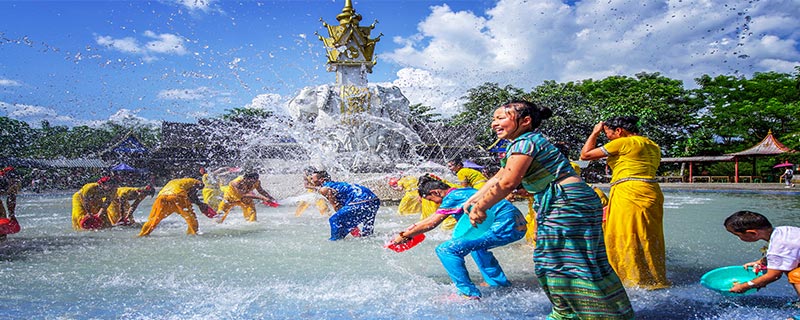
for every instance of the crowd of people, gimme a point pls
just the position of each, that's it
(588, 247)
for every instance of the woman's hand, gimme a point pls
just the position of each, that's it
(598, 127)
(399, 239)
(477, 216)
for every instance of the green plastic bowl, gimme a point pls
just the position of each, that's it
(465, 230)
(722, 279)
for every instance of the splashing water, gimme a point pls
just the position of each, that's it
(283, 267)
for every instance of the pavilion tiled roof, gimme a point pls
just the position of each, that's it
(768, 146)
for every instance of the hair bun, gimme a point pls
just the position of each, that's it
(545, 113)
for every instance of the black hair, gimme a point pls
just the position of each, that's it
(744, 220)
(629, 123)
(457, 160)
(251, 175)
(309, 170)
(524, 108)
(323, 175)
(428, 182)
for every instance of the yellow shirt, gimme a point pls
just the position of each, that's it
(633, 157)
(472, 177)
(408, 183)
(127, 193)
(93, 193)
(232, 194)
(179, 187)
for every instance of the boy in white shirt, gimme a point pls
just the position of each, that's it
(782, 256)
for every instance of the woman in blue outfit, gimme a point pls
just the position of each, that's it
(509, 226)
(570, 258)
(354, 204)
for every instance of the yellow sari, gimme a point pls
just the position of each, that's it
(410, 203)
(633, 231)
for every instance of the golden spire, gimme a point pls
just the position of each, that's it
(348, 14)
(349, 44)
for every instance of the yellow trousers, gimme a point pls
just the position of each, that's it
(634, 234)
(530, 235)
(247, 204)
(166, 205)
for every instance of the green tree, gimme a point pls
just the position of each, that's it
(742, 111)
(238, 114)
(573, 115)
(423, 114)
(480, 105)
(665, 109)
(15, 137)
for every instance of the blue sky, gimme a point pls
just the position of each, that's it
(86, 62)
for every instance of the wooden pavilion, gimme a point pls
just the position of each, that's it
(769, 146)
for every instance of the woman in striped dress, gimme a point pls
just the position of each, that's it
(570, 259)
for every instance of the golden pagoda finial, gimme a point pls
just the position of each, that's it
(348, 14)
(348, 44)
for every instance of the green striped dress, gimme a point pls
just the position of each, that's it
(570, 257)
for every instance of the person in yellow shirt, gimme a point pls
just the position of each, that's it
(177, 196)
(90, 203)
(213, 182)
(467, 177)
(411, 203)
(239, 192)
(125, 203)
(322, 204)
(633, 230)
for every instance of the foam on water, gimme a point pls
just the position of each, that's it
(283, 267)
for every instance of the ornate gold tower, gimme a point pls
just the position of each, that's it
(350, 54)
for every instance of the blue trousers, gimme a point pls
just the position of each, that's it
(452, 253)
(350, 216)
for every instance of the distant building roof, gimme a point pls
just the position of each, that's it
(768, 146)
(55, 163)
(699, 159)
(129, 143)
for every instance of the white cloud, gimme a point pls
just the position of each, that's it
(9, 83)
(192, 5)
(269, 102)
(126, 45)
(523, 43)
(200, 93)
(422, 86)
(164, 44)
(129, 117)
(34, 115)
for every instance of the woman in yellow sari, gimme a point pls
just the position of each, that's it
(411, 203)
(634, 230)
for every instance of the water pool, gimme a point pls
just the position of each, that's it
(283, 267)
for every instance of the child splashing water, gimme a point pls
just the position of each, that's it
(782, 256)
(508, 226)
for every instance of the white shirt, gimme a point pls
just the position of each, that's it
(783, 252)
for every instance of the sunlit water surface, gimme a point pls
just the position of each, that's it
(283, 267)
